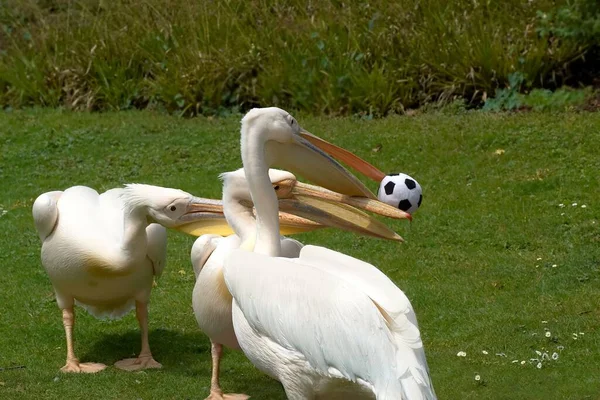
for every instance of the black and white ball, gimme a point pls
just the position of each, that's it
(401, 191)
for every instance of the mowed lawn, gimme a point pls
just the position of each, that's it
(501, 262)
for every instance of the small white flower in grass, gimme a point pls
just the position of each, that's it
(562, 213)
(477, 378)
(554, 265)
(484, 352)
(545, 356)
(560, 348)
(555, 356)
(461, 354)
(583, 206)
(548, 334)
(539, 365)
(523, 362)
(515, 361)
(544, 322)
(501, 354)
(574, 204)
(539, 258)
(581, 333)
(561, 205)
(539, 353)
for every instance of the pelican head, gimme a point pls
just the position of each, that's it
(301, 202)
(171, 208)
(235, 185)
(280, 140)
(277, 124)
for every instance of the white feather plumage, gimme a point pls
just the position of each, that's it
(325, 324)
(101, 252)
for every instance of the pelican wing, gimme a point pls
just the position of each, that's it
(367, 277)
(93, 227)
(45, 213)
(202, 250)
(157, 247)
(330, 323)
(290, 248)
(394, 306)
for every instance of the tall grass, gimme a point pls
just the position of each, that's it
(324, 57)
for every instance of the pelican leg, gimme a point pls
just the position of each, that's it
(73, 364)
(216, 393)
(144, 360)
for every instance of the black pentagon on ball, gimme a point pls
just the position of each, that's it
(389, 187)
(410, 183)
(420, 200)
(404, 205)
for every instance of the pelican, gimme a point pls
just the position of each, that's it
(212, 301)
(325, 325)
(103, 251)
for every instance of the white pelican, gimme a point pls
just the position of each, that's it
(211, 300)
(103, 252)
(325, 325)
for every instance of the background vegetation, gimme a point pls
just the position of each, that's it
(502, 260)
(212, 57)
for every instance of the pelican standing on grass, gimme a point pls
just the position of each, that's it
(103, 251)
(325, 325)
(212, 301)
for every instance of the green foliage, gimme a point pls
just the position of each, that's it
(507, 98)
(191, 57)
(559, 100)
(449, 107)
(577, 21)
(491, 261)
(511, 99)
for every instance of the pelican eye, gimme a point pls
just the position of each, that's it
(276, 187)
(173, 208)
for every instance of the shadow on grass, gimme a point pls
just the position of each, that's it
(171, 348)
(186, 355)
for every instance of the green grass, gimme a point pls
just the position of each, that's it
(339, 58)
(477, 263)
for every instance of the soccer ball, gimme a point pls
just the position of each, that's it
(402, 191)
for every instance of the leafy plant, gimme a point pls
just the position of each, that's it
(508, 98)
(538, 99)
(559, 100)
(578, 20)
(199, 57)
